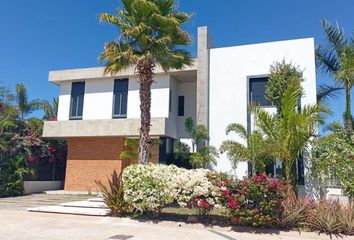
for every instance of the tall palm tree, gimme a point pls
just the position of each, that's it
(50, 109)
(254, 150)
(337, 60)
(288, 132)
(23, 104)
(150, 35)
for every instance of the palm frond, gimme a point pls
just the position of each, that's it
(239, 129)
(335, 36)
(326, 92)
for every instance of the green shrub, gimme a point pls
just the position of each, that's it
(149, 187)
(12, 173)
(113, 195)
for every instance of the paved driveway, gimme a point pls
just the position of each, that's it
(38, 200)
(22, 225)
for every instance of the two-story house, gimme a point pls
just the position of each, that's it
(96, 111)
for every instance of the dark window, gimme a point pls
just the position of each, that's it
(77, 100)
(257, 89)
(120, 98)
(181, 106)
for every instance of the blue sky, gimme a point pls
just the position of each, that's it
(42, 35)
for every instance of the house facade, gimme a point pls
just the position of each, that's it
(97, 112)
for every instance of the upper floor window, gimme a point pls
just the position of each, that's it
(257, 87)
(180, 105)
(77, 100)
(120, 98)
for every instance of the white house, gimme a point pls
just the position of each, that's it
(96, 111)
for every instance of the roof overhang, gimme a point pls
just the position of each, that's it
(98, 72)
(128, 127)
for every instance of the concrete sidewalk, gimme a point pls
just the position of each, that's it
(22, 225)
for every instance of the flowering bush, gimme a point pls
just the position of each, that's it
(149, 187)
(255, 201)
(195, 189)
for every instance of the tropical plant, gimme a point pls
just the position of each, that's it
(254, 149)
(205, 156)
(23, 104)
(346, 219)
(201, 154)
(113, 195)
(131, 146)
(50, 109)
(337, 60)
(288, 132)
(12, 174)
(150, 36)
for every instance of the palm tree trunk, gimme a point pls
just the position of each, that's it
(145, 68)
(348, 112)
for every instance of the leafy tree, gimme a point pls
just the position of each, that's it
(254, 149)
(150, 36)
(333, 159)
(337, 60)
(287, 133)
(23, 104)
(281, 74)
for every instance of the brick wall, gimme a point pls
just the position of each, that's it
(95, 158)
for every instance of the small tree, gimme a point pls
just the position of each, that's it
(254, 149)
(201, 154)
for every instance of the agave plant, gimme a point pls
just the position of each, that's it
(323, 218)
(113, 195)
(346, 218)
(294, 211)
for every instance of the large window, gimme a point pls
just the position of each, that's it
(180, 105)
(257, 89)
(120, 98)
(77, 100)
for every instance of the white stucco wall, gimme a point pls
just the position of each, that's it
(64, 101)
(230, 68)
(98, 100)
(188, 90)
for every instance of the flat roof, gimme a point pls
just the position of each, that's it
(98, 72)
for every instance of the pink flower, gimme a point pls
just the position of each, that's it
(233, 204)
(226, 192)
(52, 149)
(273, 184)
(203, 203)
(30, 158)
